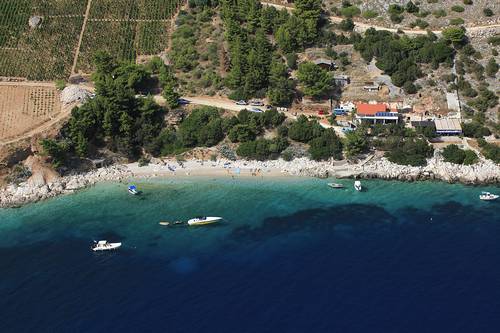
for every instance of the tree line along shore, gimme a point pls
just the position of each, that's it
(123, 123)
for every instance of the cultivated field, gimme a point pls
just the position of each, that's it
(24, 108)
(126, 28)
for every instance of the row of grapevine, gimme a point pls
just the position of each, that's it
(152, 37)
(134, 9)
(45, 53)
(118, 38)
(14, 15)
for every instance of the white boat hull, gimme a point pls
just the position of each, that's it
(491, 198)
(204, 221)
(357, 185)
(107, 247)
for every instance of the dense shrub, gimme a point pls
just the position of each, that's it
(488, 12)
(454, 154)
(350, 11)
(457, 8)
(325, 146)
(304, 130)
(439, 13)
(369, 14)
(475, 130)
(411, 152)
(262, 149)
(489, 150)
(203, 127)
(456, 21)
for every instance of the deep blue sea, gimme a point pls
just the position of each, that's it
(291, 256)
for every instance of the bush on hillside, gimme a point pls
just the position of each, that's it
(454, 154)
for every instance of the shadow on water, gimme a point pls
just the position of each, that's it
(362, 215)
(449, 212)
(314, 219)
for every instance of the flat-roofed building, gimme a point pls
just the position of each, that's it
(448, 126)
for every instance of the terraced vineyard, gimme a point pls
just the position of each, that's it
(126, 28)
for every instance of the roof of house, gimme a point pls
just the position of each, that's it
(323, 61)
(371, 109)
(448, 124)
(341, 77)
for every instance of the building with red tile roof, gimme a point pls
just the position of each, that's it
(376, 113)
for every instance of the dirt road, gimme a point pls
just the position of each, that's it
(218, 102)
(362, 27)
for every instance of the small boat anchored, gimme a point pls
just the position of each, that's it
(487, 196)
(166, 223)
(202, 220)
(132, 189)
(335, 185)
(357, 185)
(103, 245)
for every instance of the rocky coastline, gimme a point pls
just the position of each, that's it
(483, 172)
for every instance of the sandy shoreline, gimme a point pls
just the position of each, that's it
(484, 172)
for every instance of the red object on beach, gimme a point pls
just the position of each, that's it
(321, 112)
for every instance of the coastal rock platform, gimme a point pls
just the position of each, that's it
(483, 172)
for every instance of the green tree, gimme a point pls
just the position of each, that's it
(347, 24)
(454, 34)
(242, 133)
(57, 151)
(453, 154)
(304, 130)
(488, 12)
(355, 143)
(326, 146)
(281, 88)
(315, 81)
(203, 127)
(171, 96)
(491, 68)
(412, 8)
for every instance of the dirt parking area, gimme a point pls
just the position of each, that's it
(24, 108)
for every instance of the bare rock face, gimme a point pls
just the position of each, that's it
(41, 172)
(35, 21)
(74, 93)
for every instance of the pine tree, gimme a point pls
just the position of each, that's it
(171, 96)
(280, 90)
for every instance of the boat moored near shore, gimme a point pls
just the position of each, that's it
(132, 189)
(202, 220)
(357, 186)
(487, 196)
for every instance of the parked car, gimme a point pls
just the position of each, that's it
(269, 107)
(256, 110)
(182, 101)
(256, 103)
(242, 102)
(321, 112)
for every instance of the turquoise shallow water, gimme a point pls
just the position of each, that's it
(242, 202)
(291, 255)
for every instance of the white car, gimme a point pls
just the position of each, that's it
(257, 110)
(242, 102)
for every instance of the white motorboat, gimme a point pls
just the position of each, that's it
(335, 185)
(201, 220)
(103, 245)
(132, 189)
(487, 196)
(357, 185)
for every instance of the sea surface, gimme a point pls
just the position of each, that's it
(291, 256)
